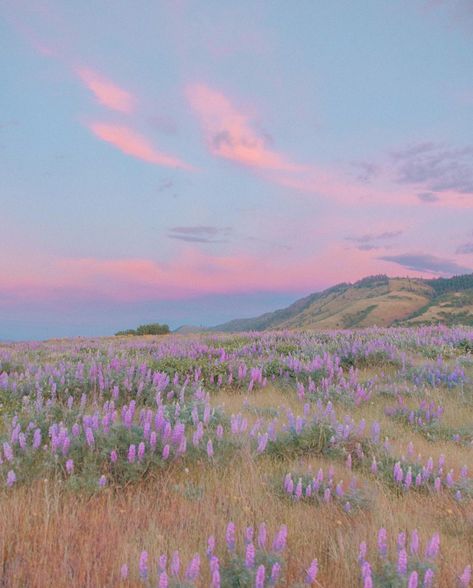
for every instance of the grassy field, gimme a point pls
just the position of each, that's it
(117, 452)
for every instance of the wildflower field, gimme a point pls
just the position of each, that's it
(334, 459)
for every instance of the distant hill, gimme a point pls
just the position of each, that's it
(375, 300)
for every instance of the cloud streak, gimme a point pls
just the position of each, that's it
(200, 234)
(106, 92)
(229, 133)
(424, 262)
(135, 145)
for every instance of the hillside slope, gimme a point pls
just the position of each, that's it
(376, 300)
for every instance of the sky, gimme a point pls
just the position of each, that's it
(193, 162)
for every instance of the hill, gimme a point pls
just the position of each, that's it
(375, 300)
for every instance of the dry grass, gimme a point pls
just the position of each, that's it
(53, 537)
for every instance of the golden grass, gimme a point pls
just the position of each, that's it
(50, 537)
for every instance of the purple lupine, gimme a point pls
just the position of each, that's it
(402, 562)
(69, 466)
(193, 570)
(132, 453)
(275, 573)
(89, 437)
(124, 572)
(175, 564)
(260, 576)
(166, 450)
(401, 540)
(7, 451)
(162, 562)
(465, 579)
(362, 552)
(249, 534)
(215, 578)
(230, 536)
(11, 478)
(382, 542)
(143, 565)
(210, 449)
(413, 580)
(141, 451)
(250, 554)
(433, 546)
(210, 546)
(279, 542)
(428, 578)
(311, 572)
(414, 547)
(163, 580)
(113, 456)
(102, 481)
(37, 438)
(262, 535)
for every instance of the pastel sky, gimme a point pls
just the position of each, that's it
(192, 162)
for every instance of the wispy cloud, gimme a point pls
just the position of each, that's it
(107, 92)
(436, 168)
(134, 144)
(201, 234)
(424, 262)
(230, 134)
(465, 248)
(367, 237)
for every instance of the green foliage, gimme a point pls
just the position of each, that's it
(150, 329)
(454, 284)
(234, 573)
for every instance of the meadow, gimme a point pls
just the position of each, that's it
(328, 459)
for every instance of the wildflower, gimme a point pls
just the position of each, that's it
(69, 466)
(89, 437)
(414, 542)
(260, 577)
(132, 453)
(11, 478)
(382, 542)
(210, 449)
(250, 556)
(124, 572)
(175, 564)
(193, 570)
(279, 542)
(102, 481)
(311, 572)
(230, 536)
(433, 547)
(262, 536)
(465, 578)
(275, 573)
(166, 450)
(413, 580)
(143, 565)
(162, 562)
(141, 451)
(402, 562)
(113, 456)
(428, 578)
(216, 578)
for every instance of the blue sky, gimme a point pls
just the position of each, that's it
(196, 162)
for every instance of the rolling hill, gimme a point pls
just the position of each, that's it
(375, 300)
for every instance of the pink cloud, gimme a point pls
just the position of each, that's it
(191, 274)
(229, 134)
(132, 143)
(106, 92)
